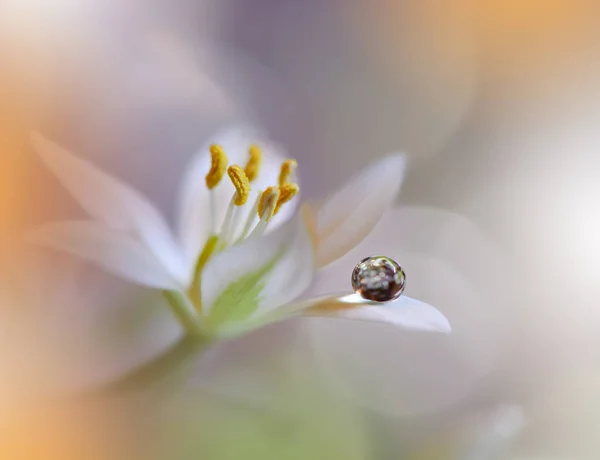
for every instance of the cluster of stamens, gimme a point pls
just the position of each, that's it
(267, 204)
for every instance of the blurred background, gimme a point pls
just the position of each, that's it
(498, 224)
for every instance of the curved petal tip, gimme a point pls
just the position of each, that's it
(405, 312)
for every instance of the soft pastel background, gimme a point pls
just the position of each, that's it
(498, 224)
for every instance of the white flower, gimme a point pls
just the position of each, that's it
(240, 258)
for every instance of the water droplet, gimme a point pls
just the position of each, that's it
(378, 278)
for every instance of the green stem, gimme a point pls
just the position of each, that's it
(168, 364)
(184, 311)
(156, 371)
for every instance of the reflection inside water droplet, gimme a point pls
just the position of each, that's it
(378, 278)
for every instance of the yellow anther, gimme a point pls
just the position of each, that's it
(287, 171)
(268, 202)
(287, 191)
(217, 167)
(253, 166)
(241, 184)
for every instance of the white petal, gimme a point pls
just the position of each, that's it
(111, 249)
(350, 214)
(293, 273)
(113, 202)
(194, 217)
(448, 264)
(405, 313)
(291, 250)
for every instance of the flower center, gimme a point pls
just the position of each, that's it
(267, 204)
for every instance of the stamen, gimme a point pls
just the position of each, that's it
(287, 192)
(287, 172)
(217, 167)
(266, 209)
(241, 183)
(225, 227)
(240, 197)
(250, 219)
(232, 222)
(268, 203)
(207, 252)
(252, 168)
(213, 178)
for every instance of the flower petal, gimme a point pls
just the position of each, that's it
(113, 203)
(350, 214)
(194, 218)
(260, 274)
(113, 250)
(294, 271)
(449, 263)
(405, 312)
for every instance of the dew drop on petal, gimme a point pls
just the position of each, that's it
(378, 278)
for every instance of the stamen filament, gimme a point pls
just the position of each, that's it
(260, 228)
(227, 221)
(195, 288)
(234, 222)
(250, 219)
(212, 202)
